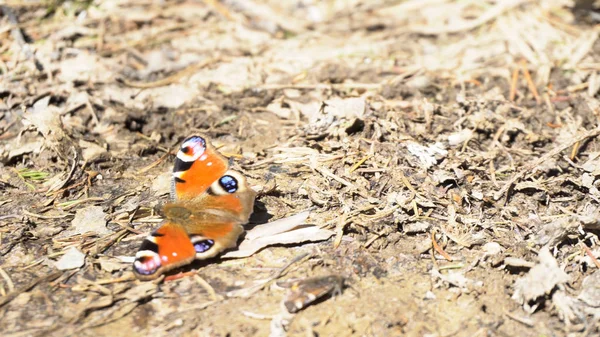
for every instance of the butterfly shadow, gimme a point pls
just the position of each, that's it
(260, 216)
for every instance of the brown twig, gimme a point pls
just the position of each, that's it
(179, 276)
(590, 254)
(173, 78)
(13, 294)
(247, 292)
(489, 15)
(339, 230)
(209, 289)
(513, 85)
(530, 83)
(575, 150)
(439, 249)
(360, 162)
(155, 163)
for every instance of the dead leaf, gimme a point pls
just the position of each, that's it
(72, 259)
(20, 149)
(162, 184)
(90, 219)
(456, 279)
(170, 97)
(540, 280)
(552, 233)
(91, 151)
(84, 67)
(590, 293)
(347, 108)
(111, 265)
(279, 232)
(277, 226)
(428, 155)
(46, 119)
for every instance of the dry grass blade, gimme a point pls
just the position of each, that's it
(530, 83)
(589, 134)
(155, 163)
(247, 292)
(589, 253)
(439, 249)
(13, 294)
(172, 78)
(513, 84)
(492, 13)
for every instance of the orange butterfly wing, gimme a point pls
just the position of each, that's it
(197, 166)
(210, 204)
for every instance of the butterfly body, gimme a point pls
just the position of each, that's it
(210, 203)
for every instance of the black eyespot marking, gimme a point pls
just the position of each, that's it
(149, 245)
(229, 183)
(156, 234)
(179, 180)
(203, 245)
(185, 149)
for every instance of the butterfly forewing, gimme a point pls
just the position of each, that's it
(197, 166)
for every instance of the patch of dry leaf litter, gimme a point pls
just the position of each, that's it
(445, 151)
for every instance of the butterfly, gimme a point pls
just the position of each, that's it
(209, 204)
(305, 292)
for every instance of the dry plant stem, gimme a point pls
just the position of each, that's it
(46, 217)
(530, 83)
(339, 230)
(439, 249)
(150, 39)
(179, 276)
(13, 294)
(574, 151)
(327, 173)
(561, 25)
(367, 86)
(155, 163)
(513, 85)
(591, 133)
(360, 162)
(374, 238)
(124, 278)
(586, 44)
(209, 289)
(407, 183)
(247, 292)
(61, 187)
(220, 8)
(111, 239)
(9, 282)
(591, 255)
(129, 228)
(173, 78)
(521, 320)
(492, 13)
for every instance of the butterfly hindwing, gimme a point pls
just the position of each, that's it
(166, 248)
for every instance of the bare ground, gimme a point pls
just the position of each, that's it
(451, 147)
